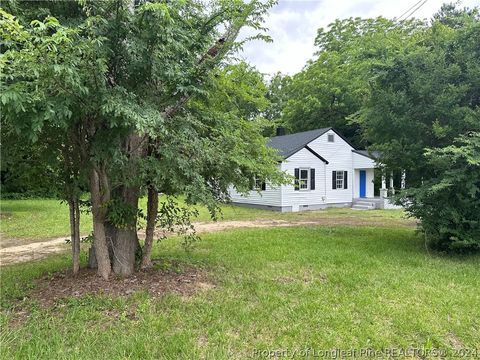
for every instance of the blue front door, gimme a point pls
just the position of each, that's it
(363, 183)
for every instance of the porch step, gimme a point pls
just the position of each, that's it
(363, 205)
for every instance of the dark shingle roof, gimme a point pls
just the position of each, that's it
(370, 154)
(288, 145)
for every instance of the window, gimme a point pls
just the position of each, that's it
(259, 184)
(331, 137)
(303, 179)
(339, 179)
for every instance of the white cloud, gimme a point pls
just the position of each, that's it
(293, 25)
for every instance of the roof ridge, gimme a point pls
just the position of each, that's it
(302, 132)
(288, 145)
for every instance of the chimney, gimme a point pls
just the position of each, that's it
(280, 131)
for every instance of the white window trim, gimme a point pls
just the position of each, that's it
(300, 178)
(255, 186)
(333, 138)
(342, 172)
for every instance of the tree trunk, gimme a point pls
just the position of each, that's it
(152, 210)
(111, 236)
(124, 252)
(75, 233)
(92, 260)
(76, 246)
(76, 236)
(125, 243)
(98, 213)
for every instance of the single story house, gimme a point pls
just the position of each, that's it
(328, 171)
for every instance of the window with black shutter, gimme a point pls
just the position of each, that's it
(303, 180)
(312, 179)
(259, 184)
(297, 175)
(339, 179)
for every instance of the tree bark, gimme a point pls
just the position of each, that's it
(125, 240)
(76, 246)
(124, 252)
(75, 233)
(152, 211)
(92, 260)
(75, 240)
(98, 213)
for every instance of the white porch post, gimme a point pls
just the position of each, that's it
(404, 176)
(392, 189)
(383, 189)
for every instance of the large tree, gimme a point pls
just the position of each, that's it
(425, 97)
(424, 116)
(112, 83)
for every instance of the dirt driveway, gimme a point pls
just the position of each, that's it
(38, 250)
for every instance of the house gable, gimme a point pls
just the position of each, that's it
(339, 155)
(287, 145)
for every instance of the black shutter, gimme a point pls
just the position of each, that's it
(334, 180)
(345, 177)
(264, 185)
(297, 176)
(312, 179)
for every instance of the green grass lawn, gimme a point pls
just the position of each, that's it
(284, 288)
(37, 219)
(40, 219)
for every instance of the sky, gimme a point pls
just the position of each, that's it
(293, 26)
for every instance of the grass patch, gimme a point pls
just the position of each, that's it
(40, 219)
(37, 219)
(284, 288)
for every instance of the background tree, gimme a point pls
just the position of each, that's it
(424, 98)
(334, 86)
(277, 96)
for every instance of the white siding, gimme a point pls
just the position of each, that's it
(299, 198)
(369, 183)
(339, 156)
(270, 196)
(362, 162)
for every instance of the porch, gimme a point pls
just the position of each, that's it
(364, 198)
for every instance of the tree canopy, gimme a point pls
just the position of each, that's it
(108, 90)
(335, 84)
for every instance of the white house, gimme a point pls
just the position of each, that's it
(329, 172)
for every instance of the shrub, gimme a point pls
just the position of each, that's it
(448, 204)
